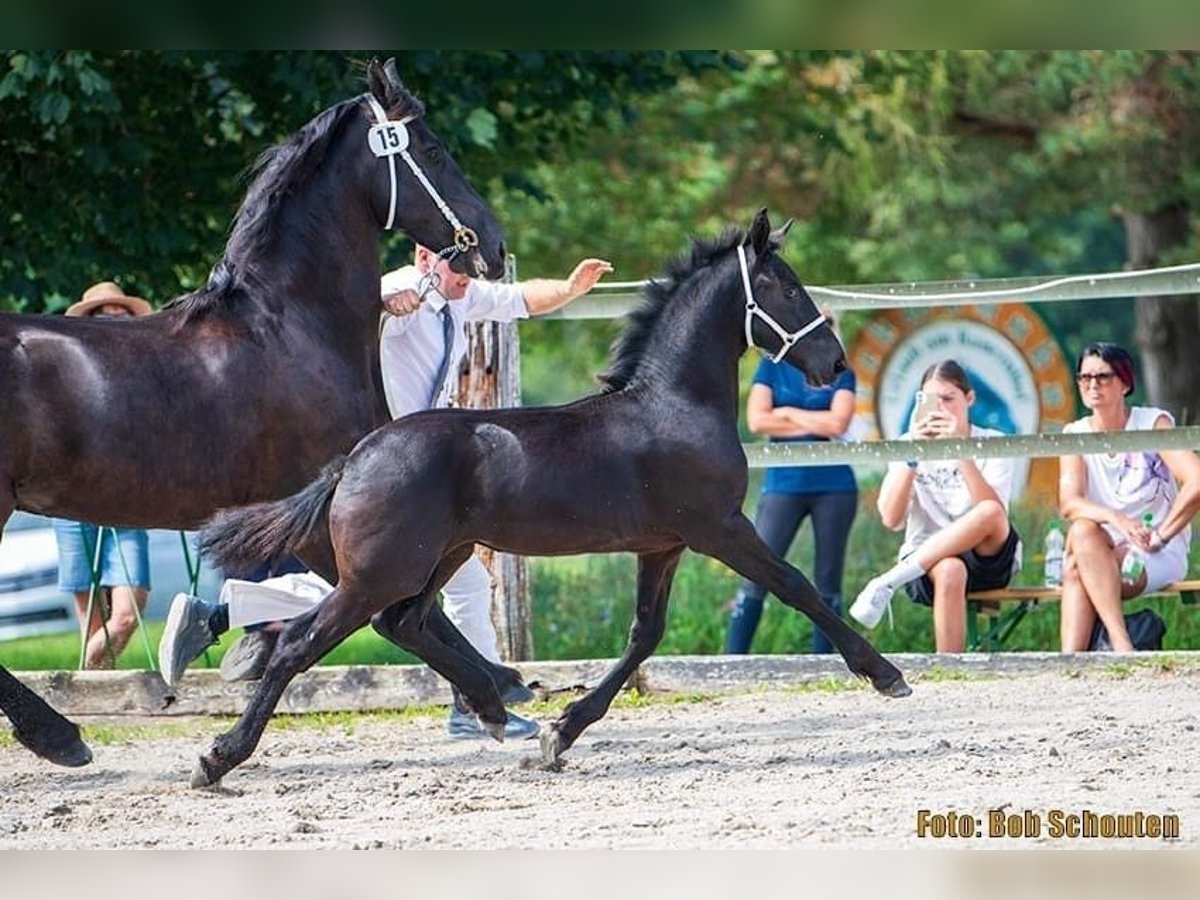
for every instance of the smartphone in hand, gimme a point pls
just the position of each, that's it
(926, 403)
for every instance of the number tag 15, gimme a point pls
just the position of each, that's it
(388, 139)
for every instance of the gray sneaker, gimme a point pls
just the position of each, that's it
(185, 636)
(248, 657)
(464, 726)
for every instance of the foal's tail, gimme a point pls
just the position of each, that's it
(241, 538)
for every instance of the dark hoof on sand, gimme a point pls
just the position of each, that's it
(897, 688)
(73, 754)
(552, 750)
(201, 777)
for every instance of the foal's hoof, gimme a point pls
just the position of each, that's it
(552, 750)
(495, 730)
(896, 688)
(201, 777)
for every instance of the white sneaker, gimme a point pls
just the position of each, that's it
(872, 601)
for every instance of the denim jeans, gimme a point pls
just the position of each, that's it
(777, 520)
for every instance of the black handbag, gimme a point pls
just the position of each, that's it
(1146, 629)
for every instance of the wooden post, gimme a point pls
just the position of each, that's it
(492, 378)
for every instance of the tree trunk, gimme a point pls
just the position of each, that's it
(492, 378)
(1168, 328)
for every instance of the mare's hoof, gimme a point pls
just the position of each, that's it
(201, 777)
(897, 688)
(73, 753)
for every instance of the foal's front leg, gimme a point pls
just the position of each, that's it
(739, 547)
(302, 642)
(655, 574)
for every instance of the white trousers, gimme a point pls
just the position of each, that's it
(466, 598)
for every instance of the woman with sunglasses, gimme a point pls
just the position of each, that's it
(1116, 502)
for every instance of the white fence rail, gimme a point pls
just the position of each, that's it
(615, 299)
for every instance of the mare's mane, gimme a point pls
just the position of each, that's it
(280, 170)
(630, 346)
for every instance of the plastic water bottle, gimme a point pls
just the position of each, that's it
(1054, 556)
(1134, 563)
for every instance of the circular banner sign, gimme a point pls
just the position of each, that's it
(1022, 381)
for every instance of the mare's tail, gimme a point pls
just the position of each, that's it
(240, 538)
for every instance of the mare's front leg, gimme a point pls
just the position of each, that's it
(739, 547)
(655, 573)
(305, 640)
(39, 727)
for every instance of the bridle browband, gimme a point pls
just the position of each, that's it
(753, 309)
(389, 137)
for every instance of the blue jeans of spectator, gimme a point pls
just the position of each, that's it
(123, 556)
(777, 520)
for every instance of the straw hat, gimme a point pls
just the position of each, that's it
(108, 292)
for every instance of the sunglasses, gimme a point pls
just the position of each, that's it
(1100, 378)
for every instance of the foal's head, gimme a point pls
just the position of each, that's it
(417, 179)
(781, 319)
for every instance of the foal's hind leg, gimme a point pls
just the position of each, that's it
(467, 671)
(38, 727)
(302, 642)
(739, 547)
(655, 574)
(408, 625)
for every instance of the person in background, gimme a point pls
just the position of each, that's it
(1105, 497)
(958, 537)
(422, 343)
(786, 408)
(110, 603)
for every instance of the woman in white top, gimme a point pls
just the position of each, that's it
(1105, 495)
(955, 514)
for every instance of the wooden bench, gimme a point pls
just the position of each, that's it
(1005, 608)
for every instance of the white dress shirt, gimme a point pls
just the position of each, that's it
(411, 347)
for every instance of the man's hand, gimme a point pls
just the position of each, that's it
(585, 276)
(402, 303)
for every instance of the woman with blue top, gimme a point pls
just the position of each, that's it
(786, 408)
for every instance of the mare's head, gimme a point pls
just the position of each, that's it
(418, 187)
(781, 319)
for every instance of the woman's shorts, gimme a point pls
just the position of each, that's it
(124, 556)
(1167, 565)
(984, 573)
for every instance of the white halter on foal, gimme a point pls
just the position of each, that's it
(753, 309)
(390, 138)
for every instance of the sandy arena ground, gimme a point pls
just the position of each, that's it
(771, 769)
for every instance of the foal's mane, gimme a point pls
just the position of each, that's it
(286, 167)
(630, 346)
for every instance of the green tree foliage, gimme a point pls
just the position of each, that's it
(908, 166)
(127, 165)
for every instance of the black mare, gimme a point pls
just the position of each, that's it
(243, 390)
(652, 465)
